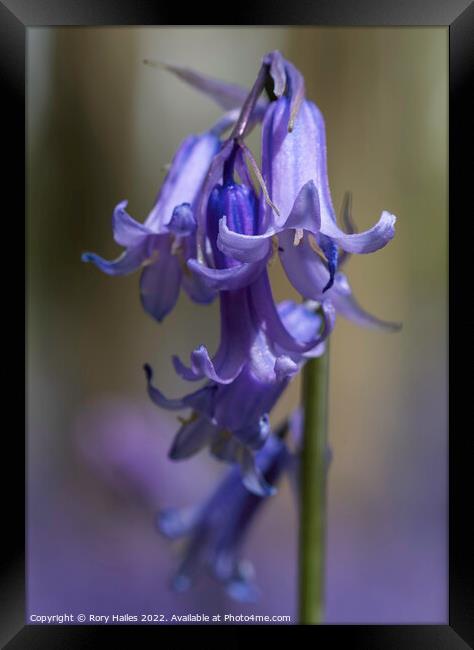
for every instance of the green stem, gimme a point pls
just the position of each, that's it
(313, 490)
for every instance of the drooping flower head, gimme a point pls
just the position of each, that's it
(167, 239)
(232, 419)
(300, 211)
(216, 530)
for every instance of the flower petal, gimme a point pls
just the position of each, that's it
(192, 437)
(127, 231)
(160, 282)
(184, 179)
(286, 77)
(299, 319)
(277, 71)
(225, 446)
(229, 279)
(201, 400)
(203, 366)
(226, 95)
(197, 289)
(223, 369)
(285, 367)
(128, 262)
(255, 434)
(237, 334)
(244, 248)
(182, 221)
(194, 285)
(331, 253)
(266, 311)
(364, 242)
(304, 268)
(252, 477)
(157, 396)
(305, 213)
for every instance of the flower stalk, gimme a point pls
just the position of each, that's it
(312, 536)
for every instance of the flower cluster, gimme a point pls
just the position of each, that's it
(218, 220)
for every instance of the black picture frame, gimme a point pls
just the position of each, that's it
(457, 15)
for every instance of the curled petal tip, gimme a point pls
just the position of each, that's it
(393, 327)
(203, 365)
(182, 221)
(368, 241)
(183, 371)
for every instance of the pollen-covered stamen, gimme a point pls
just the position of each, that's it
(296, 92)
(315, 247)
(177, 249)
(152, 258)
(299, 234)
(253, 163)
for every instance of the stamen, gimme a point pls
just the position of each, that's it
(297, 91)
(178, 250)
(258, 174)
(299, 233)
(243, 172)
(316, 248)
(176, 246)
(153, 258)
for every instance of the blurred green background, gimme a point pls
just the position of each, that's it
(101, 127)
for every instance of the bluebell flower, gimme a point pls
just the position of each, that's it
(296, 206)
(232, 418)
(247, 309)
(216, 530)
(167, 239)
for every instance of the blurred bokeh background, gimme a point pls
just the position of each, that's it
(101, 128)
